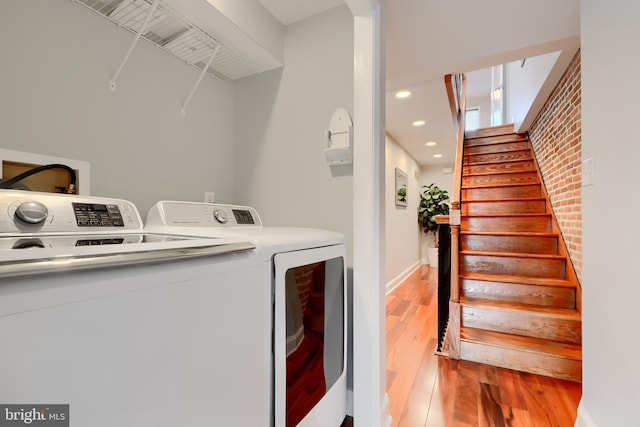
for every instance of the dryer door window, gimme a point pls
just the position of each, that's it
(310, 337)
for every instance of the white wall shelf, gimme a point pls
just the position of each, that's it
(170, 30)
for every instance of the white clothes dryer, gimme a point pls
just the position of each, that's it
(128, 327)
(306, 270)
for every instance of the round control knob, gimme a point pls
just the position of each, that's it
(32, 212)
(220, 216)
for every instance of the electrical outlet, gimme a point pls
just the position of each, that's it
(209, 196)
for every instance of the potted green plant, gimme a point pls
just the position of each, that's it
(433, 201)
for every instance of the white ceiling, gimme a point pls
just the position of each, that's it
(427, 39)
(290, 11)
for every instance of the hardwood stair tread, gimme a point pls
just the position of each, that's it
(490, 131)
(527, 344)
(507, 172)
(503, 215)
(514, 255)
(498, 185)
(502, 146)
(497, 162)
(471, 137)
(510, 233)
(498, 152)
(515, 279)
(506, 199)
(482, 141)
(521, 292)
(558, 312)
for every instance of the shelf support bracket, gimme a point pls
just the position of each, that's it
(183, 110)
(143, 28)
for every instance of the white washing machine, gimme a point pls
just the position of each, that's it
(128, 327)
(306, 269)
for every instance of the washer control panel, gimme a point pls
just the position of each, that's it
(98, 215)
(32, 212)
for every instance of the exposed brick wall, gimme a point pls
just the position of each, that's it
(556, 135)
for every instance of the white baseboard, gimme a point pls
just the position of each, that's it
(584, 419)
(390, 286)
(385, 415)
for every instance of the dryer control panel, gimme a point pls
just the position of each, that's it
(33, 212)
(202, 215)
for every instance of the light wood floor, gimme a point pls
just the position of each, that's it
(431, 391)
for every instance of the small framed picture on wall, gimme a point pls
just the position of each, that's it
(401, 188)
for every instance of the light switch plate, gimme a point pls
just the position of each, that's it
(588, 172)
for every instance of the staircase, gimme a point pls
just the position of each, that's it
(519, 296)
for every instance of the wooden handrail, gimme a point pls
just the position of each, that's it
(456, 88)
(450, 83)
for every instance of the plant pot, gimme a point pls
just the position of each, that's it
(432, 254)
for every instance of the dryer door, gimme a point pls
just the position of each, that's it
(310, 337)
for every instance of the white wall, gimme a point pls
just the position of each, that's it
(434, 174)
(524, 83)
(483, 103)
(281, 118)
(610, 232)
(56, 63)
(402, 231)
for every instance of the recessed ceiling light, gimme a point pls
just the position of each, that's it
(431, 143)
(437, 156)
(403, 94)
(419, 123)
